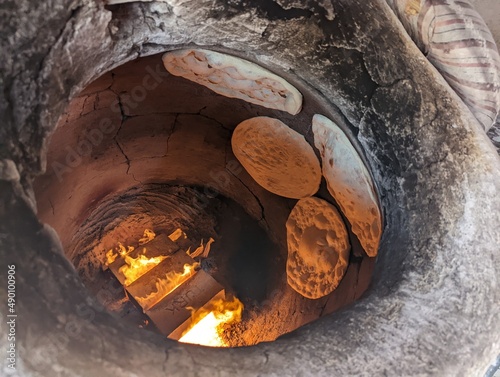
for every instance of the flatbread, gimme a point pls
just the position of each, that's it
(349, 182)
(318, 248)
(277, 157)
(235, 78)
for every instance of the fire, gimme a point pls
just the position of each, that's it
(167, 285)
(110, 257)
(208, 323)
(136, 267)
(123, 251)
(149, 235)
(201, 250)
(177, 234)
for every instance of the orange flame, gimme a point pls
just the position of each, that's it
(207, 323)
(167, 285)
(177, 234)
(149, 235)
(136, 267)
(110, 257)
(121, 250)
(201, 250)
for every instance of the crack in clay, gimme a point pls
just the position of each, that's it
(380, 87)
(124, 155)
(357, 280)
(172, 132)
(377, 89)
(265, 32)
(435, 116)
(124, 117)
(96, 101)
(262, 217)
(212, 119)
(51, 206)
(323, 308)
(84, 104)
(134, 178)
(110, 87)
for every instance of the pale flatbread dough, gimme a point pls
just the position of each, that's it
(349, 182)
(235, 78)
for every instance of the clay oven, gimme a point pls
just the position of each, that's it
(139, 177)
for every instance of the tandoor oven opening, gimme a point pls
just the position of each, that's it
(210, 200)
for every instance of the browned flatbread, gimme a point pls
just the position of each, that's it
(277, 157)
(318, 248)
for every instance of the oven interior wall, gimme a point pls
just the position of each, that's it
(140, 148)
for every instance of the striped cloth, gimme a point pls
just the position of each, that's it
(458, 43)
(494, 135)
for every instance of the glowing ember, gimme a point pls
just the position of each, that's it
(136, 267)
(167, 285)
(208, 323)
(177, 234)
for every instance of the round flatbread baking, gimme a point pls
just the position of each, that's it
(277, 157)
(318, 248)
